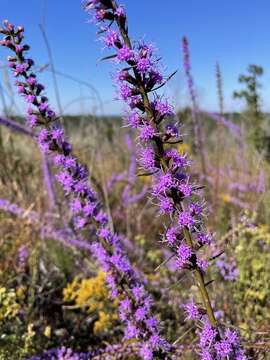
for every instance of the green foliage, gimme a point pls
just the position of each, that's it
(252, 288)
(254, 117)
(250, 94)
(92, 297)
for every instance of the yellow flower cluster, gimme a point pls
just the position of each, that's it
(92, 296)
(225, 197)
(183, 148)
(253, 261)
(9, 305)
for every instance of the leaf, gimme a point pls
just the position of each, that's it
(108, 57)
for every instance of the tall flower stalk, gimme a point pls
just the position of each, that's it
(220, 136)
(197, 129)
(138, 80)
(134, 302)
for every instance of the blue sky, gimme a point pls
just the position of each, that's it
(233, 32)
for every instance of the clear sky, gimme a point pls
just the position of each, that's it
(234, 32)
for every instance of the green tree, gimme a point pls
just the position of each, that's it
(254, 114)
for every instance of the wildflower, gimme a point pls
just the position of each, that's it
(166, 205)
(57, 134)
(146, 352)
(31, 99)
(163, 108)
(204, 238)
(125, 54)
(111, 38)
(171, 235)
(147, 132)
(192, 311)
(208, 334)
(140, 313)
(143, 64)
(184, 253)
(185, 189)
(202, 263)
(185, 219)
(147, 158)
(32, 120)
(131, 331)
(223, 348)
(165, 182)
(134, 120)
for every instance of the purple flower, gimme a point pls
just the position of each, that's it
(207, 335)
(147, 132)
(20, 69)
(120, 11)
(43, 106)
(184, 253)
(32, 120)
(156, 77)
(204, 238)
(122, 75)
(100, 14)
(125, 305)
(227, 267)
(185, 189)
(192, 311)
(165, 182)
(57, 134)
(195, 208)
(125, 91)
(111, 38)
(101, 218)
(163, 108)
(125, 54)
(31, 81)
(205, 355)
(143, 65)
(68, 161)
(202, 264)
(104, 233)
(80, 222)
(44, 140)
(223, 348)
(232, 337)
(134, 120)
(66, 180)
(166, 205)
(31, 99)
(147, 158)
(22, 256)
(171, 235)
(179, 161)
(89, 209)
(138, 293)
(21, 89)
(140, 313)
(152, 323)
(131, 331)
(146, 352)
(185, 219)
(76, 205)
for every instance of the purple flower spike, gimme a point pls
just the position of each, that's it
(123, 281)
